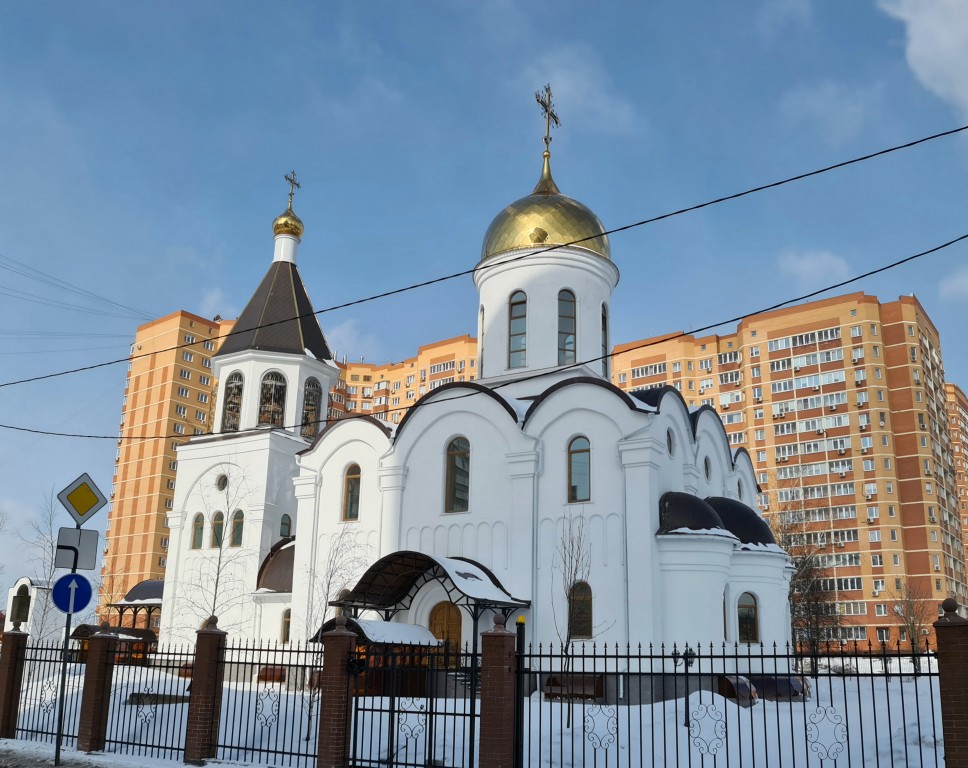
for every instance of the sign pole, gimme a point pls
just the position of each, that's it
(63, 676)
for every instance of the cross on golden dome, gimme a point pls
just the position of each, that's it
(548, 110)
(293, 185)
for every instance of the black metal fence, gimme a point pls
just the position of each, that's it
(148, 709)
(728, 706)
(270, 704)
(414, 706)
(37, 719)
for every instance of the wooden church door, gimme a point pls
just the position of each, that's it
(445, 624)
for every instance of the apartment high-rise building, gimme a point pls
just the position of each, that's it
(958, 426)
(841, 405)
(169, 395)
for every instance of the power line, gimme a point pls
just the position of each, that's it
(530, 377)
(481, 267)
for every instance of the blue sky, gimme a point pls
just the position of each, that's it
(142, 143)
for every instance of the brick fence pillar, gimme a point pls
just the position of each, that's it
(205, 699)
(92, 726)
(951, 632)
(12, 656)
(497, 697)
(334, 710)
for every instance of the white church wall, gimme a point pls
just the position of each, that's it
(762, 574)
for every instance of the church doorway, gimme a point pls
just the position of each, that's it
(445, 624)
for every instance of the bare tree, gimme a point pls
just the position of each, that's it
(345, 559)
(914, 611)
(39, 539)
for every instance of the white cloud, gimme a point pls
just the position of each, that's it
(937, 45)
(776, 16)
(347, 340)
(813, 268)
(838, 111)
(583, 89)
(214, 302)
(955, 285)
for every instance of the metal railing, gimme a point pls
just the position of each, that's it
(414, 706)
(37, 719)
(148, 710)
(270, 704)
(728, 705)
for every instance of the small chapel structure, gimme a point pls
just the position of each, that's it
(538, 490)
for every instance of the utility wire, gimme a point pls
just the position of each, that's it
(481, 267)
(557, 369)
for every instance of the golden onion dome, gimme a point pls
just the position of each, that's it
(544, 218)
(288, 223)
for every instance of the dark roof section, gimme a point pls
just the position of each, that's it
(537, 401)
(683, 510)
(275, 573)
(332, 423)
(150, 589)
(84, 631)
(278, 318)
(457, 385)
(742, 521)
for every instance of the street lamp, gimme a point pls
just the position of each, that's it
(687, 657)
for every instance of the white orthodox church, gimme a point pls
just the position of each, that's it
(539, 490)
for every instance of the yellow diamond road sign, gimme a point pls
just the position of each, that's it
(82, 498)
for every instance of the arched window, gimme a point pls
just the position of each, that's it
(749, 622)
(232, 407)
(238, 520)
(218, 526)
(517, 330)
(457, 485)
(351, 493)
(606, 360)
(312, 399)
(285, 527)
(272, 399)
(566, 327)
(579, 611)
(480, 343)
(579, 470)
(198, 530)
(286, 625)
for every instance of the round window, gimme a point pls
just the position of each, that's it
(222, 482)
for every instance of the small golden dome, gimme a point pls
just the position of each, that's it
(545, 218)
(288, 223)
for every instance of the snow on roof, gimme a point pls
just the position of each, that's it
(307, 353)
(765, 548)
(703, 531)
(474, 582)
(520, 407)
(640, 406)
(396, 633)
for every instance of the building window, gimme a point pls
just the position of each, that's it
(606, 358)
(517, 330)
(198, 528)
(232, 408)
(670, 442)
(272, 399)
(218, 525)
(351, 493)
(286, 625)
(238, 520)
(458, 476)
(312, 398)
(285, 527)
(579, 611)
(746, 613)
(579, 470)
(567, 321)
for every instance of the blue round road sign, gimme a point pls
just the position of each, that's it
(71, 593)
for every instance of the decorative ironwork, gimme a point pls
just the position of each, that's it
(707, 716)
(412, 717)
(826, 723)
(147, 705)
(48, 695)
(601, 725)
(267, 707)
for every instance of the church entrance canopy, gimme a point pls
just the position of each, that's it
(392, 582)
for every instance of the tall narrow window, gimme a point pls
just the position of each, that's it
(272, 399)
(285, 527)
(218, 525)
(579, 470)
(235, 537)
(458, 476)
(606, 360)
(312, 398)
(579, 611)
(286, 625)
(749, 622)
(566, 327)
(351, 493)
(518, 330)
(198, 530)
(232, 408)
(480, 344)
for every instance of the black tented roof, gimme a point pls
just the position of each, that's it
(742, 521)
(683, 510)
